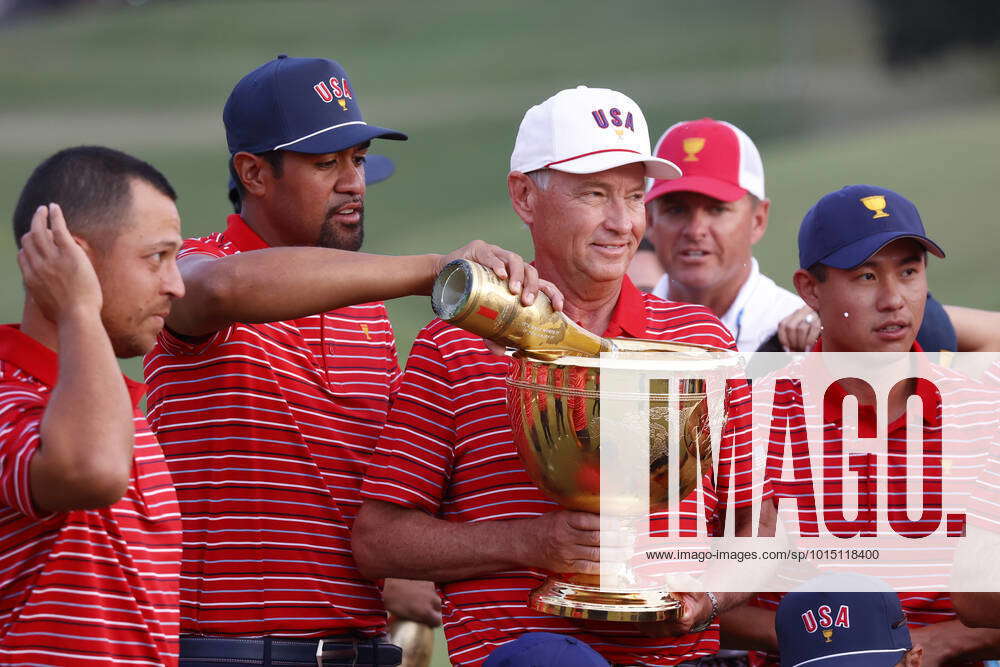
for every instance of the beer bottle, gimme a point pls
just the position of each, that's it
(472, 297)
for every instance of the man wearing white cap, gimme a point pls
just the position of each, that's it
(704, 226)
(446, 496)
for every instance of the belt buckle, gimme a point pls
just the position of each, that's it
(320, 656)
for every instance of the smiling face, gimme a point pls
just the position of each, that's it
(875, 307)
(138, 271)
(703, 243)
(586, 227)
(318, 200)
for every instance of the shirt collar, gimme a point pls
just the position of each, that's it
(42, 363)
(731, 318)
(629, 315)
(925, 390)
(241, 235)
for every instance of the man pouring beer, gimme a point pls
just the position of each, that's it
(446, 497)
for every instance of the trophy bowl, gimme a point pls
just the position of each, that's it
(554, 407)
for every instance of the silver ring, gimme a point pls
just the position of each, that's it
(810, 318)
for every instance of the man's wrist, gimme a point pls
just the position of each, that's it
(714, 614)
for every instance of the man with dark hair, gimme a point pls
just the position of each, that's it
(94, 187)
(89, 526)
(271, 383)
(863, 268)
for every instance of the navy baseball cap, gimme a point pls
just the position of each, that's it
(846, 227)
(307, 105)
(545, 649)
(847, 620)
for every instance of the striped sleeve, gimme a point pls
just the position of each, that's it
(21, 413)
(412, 465)
(179, 345)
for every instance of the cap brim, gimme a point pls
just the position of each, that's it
(858, 252)
(378, 168)
(711, 187)
(604, 160)
(338, 138)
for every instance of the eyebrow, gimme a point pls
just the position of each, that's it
(869, 264)
(165, 243)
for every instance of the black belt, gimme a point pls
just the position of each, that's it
(287, 651)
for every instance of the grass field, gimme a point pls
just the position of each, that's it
(803, 79)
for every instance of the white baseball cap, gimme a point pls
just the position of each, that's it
(586, 130)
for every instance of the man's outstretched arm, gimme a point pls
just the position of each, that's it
(289, 282)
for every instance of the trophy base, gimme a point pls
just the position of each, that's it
(575, 600)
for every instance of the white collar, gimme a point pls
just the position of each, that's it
(732, 316)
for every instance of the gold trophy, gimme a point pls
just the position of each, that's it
(554, 401)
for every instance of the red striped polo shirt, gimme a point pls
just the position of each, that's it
(969, 401)
(267, 429)
(447, 450)
(984, 506)
(84, 587)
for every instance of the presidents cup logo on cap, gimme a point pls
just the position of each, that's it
(583, 131)
(693, 146)
(875, 203)
(288, 104)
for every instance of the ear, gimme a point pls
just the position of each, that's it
(759, 220)
(252, 172)
(523, 196)
(806, 285)
(92, 254)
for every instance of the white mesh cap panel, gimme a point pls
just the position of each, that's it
(751, 166)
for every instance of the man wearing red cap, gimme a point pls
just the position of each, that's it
(704, 226)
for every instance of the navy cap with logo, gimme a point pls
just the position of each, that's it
(545, 649)
(846, 227)
(307, 105)
(860, 623)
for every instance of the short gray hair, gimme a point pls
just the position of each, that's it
(541, 177)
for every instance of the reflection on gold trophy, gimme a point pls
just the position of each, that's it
(877, 204)
(554, 402)
(692, 146)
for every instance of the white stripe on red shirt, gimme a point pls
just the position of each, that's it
(86, 586)
(447, 449)
(267, 429)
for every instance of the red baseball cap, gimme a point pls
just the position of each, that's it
(718, 159)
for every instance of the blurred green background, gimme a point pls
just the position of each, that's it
(806, 80)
